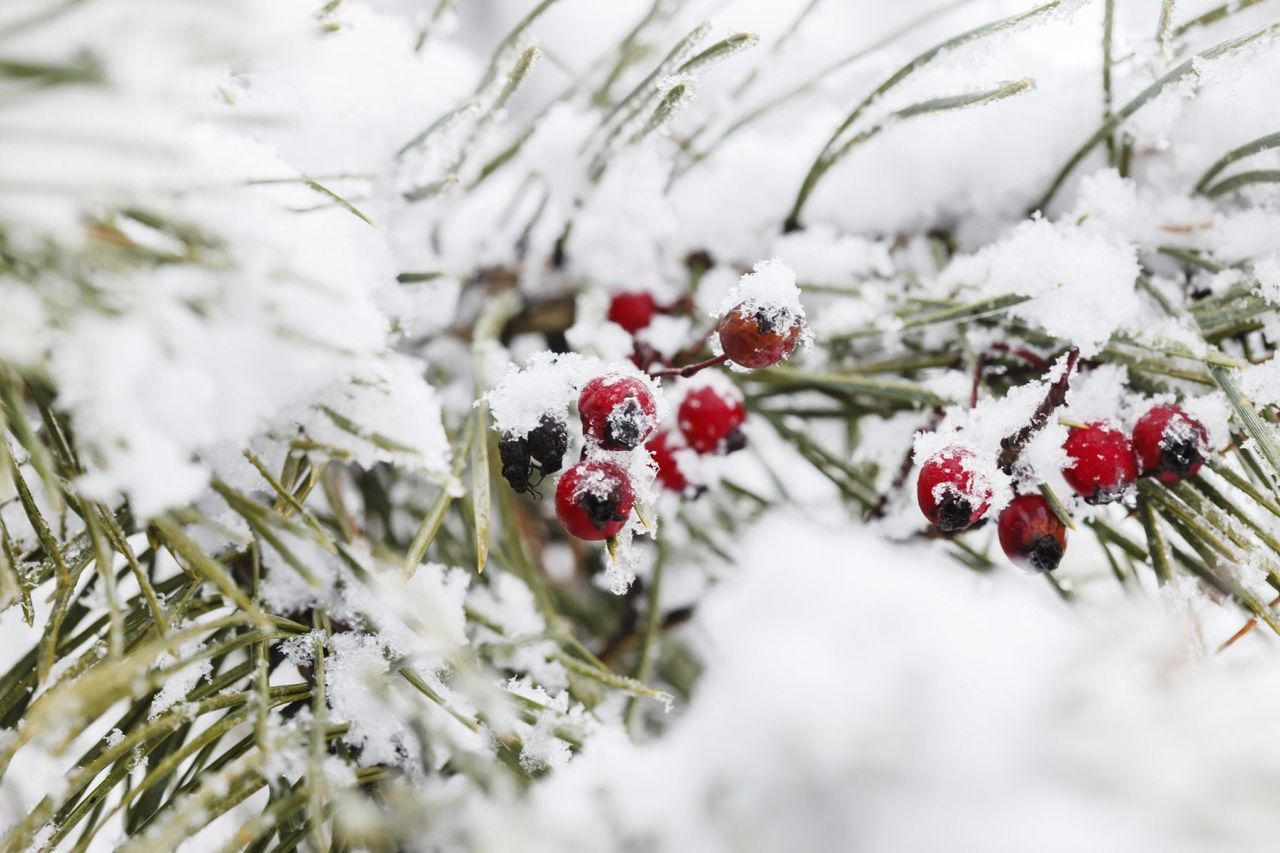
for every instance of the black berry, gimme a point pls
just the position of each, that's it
(513, 450)
(548, 443)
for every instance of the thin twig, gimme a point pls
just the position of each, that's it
(1013, 445)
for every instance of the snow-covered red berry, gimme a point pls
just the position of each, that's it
(1169, 443)
(1100, 462)
(758, 337)
(632, 311)
(951, 492)
(711, 418)
(594, 499)
(663, 450)
(618, 412)
(1031, 534)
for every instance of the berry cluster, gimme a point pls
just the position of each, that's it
(710, 416)
(750, 335)
(595, 497)
(541, 450)
(955, 492)
(620, 415)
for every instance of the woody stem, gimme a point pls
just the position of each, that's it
(689, 369)
(1013, 445)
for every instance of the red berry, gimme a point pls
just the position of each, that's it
(1170, 443)
(664, 454)
(708, 418)
(951, 494)
(632, 311)
(618, 412)
(758, 337)
(1101, 465)
(1031, 534)
(593, 500)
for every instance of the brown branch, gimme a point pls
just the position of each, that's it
(1031, 358)
(904, 469)
(689, 369)
(978, 367)
(1245, 629)
(1011, 446)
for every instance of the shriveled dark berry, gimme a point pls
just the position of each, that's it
(513, 450)
(548, 443)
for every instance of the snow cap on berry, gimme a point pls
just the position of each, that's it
(770, 295)
(953, 490)
(548, 384)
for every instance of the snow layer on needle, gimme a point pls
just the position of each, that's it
(258, 311)
(1083, 718)
(1080, 284)
(821, 254)
(623, 232)
(592, 333)
(179, 684)
(386, 413)
(358, 691)
(668, 335)
(1267, 271)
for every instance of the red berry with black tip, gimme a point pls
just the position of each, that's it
(952, 494)
(1170, 444)
(758, 337)
(708, 417)
(594, 499)
(632, 311)
(663, 450)
(1031, 534)
(618, 412)
(1100, 463)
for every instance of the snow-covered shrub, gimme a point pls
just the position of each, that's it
(494, 425)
